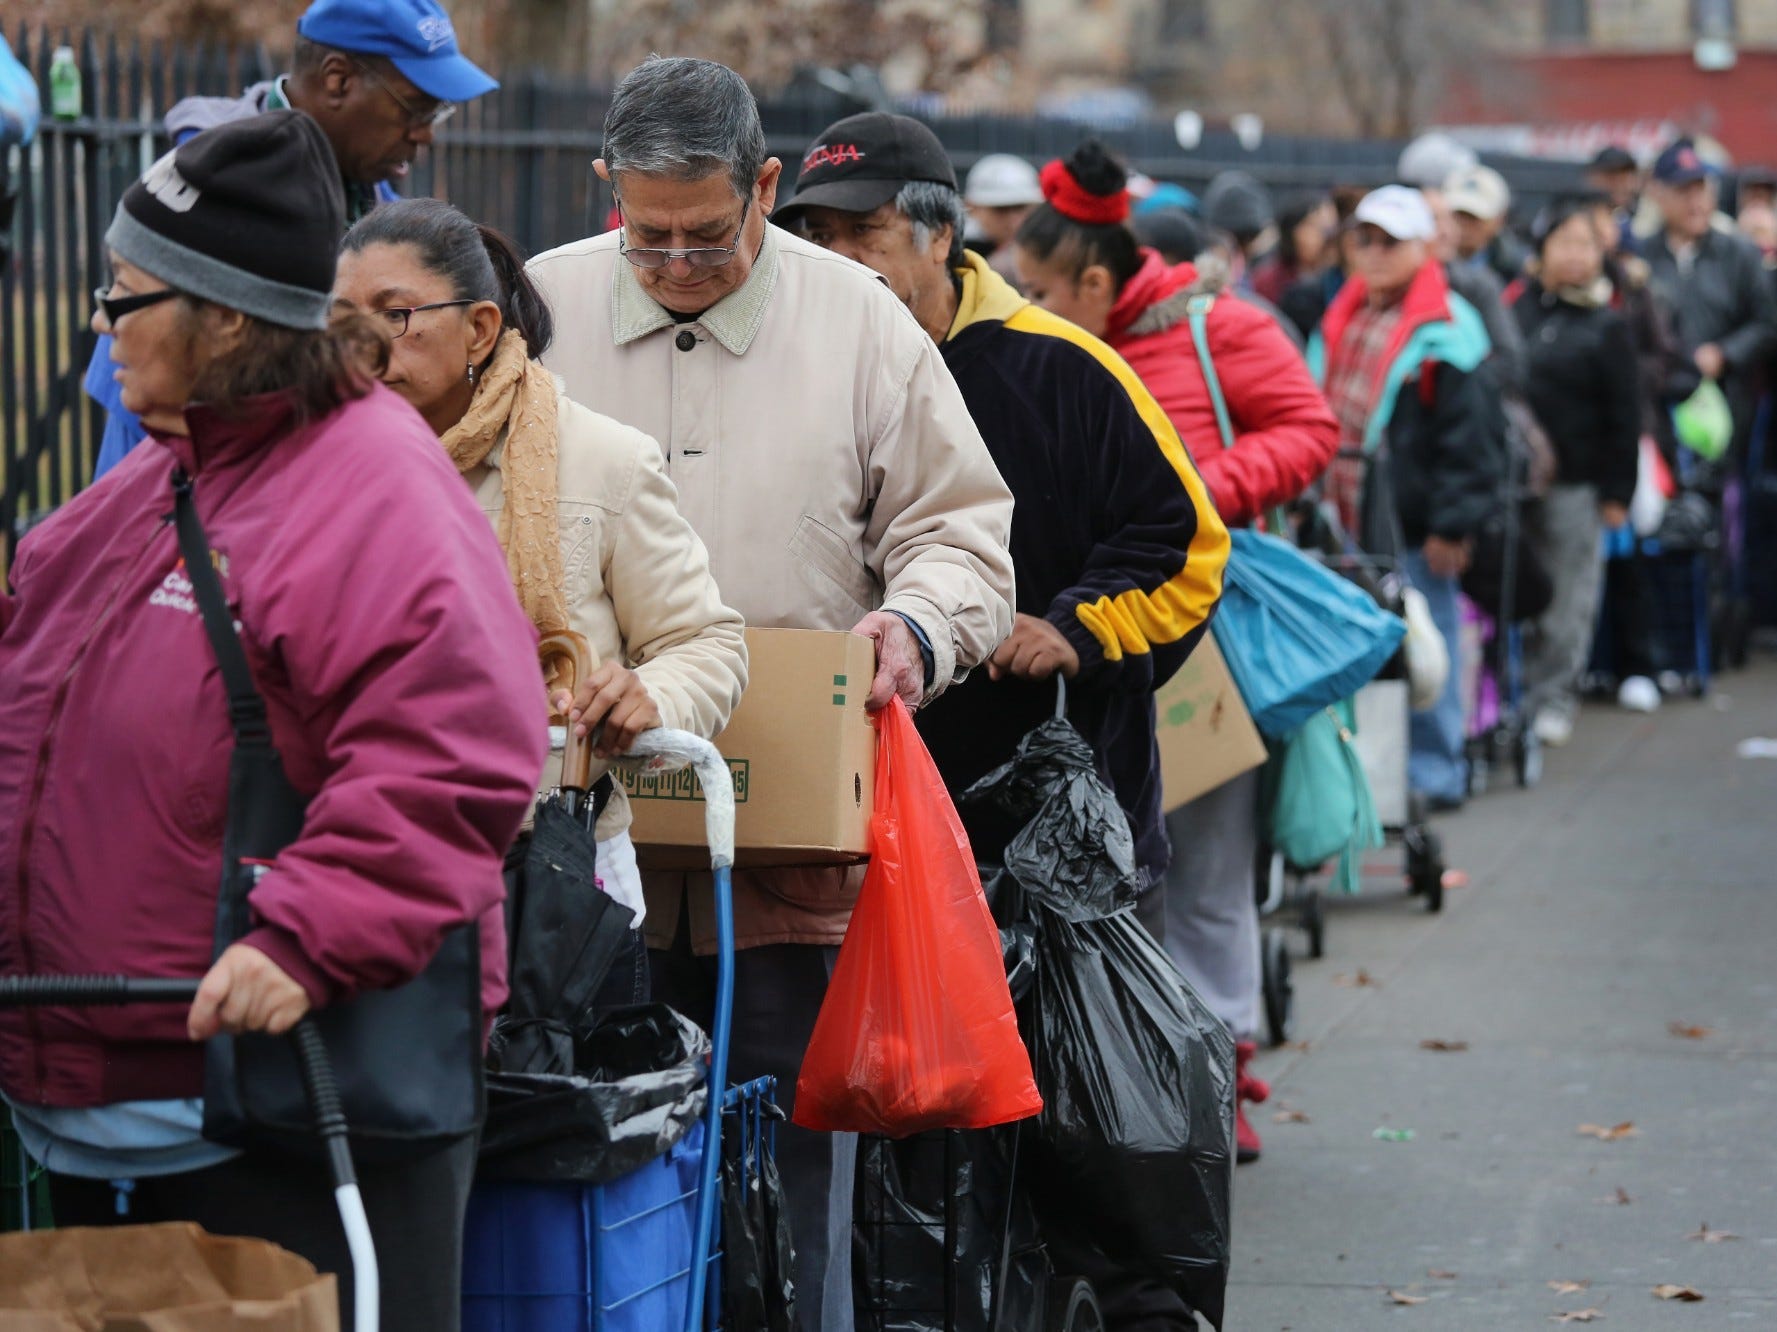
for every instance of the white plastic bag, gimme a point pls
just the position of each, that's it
(1428, 657)
(1647, 510)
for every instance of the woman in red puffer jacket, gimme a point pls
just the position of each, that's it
(1077, 258)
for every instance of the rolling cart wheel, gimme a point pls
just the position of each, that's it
(1480, 769)
(1072, 1306)
(1425, 867)
(1280, 991)
(1314, 921)
(1527, 758)
(1735, 633)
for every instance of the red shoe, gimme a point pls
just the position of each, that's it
(1246, 1088)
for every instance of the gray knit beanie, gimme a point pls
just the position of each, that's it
(247, 215)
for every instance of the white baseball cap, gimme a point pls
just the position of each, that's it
(1432, 158)
(1400, 211)
(1479, 191)
(1001, 180)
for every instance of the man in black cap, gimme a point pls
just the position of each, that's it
(1116, 545)
(1713, 280)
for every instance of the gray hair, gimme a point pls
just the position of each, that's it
(687, 119)
(931, 206)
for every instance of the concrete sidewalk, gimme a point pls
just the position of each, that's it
(1634, 890)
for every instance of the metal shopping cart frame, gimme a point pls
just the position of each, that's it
(1383, 711)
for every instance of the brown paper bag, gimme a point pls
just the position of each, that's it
(166, 1278)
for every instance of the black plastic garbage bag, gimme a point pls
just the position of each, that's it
(563, 933)
(1077, 853)
(936, 1218)
(758, 1258)
(1018, 947)
(1133, 1154)
(1689, 525)
(639, 1089)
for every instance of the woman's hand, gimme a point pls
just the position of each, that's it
(615, 696)
(1613, 515)
(246, 991)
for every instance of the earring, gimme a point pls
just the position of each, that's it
(471, 372)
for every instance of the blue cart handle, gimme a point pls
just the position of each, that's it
(662, 750)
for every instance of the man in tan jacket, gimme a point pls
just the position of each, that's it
(825, 456)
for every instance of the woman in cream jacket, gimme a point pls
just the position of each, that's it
(581, 505)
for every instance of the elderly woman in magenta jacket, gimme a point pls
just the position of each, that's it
(401, 682)
(1078, 258)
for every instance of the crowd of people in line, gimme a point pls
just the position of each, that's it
(1000, 426)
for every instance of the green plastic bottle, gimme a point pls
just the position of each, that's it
(64, 85)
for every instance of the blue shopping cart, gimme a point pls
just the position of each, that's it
(639, 1253)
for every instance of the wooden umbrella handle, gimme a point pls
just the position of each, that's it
(573, 651)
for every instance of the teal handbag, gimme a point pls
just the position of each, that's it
(1297, 637)
(1319, 799)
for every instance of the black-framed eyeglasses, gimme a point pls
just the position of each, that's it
(698, 256)
(416, 118)
(397, 316)
(116, 307)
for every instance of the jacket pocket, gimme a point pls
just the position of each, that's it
(823, 552)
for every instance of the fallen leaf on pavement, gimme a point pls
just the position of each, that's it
(1362, 981)
(1291, 1117)
(1686, 1033)
(1438, 1274)
(1578, 1316)
(1683, 1294)
(1620, 1198)
(1400, 1298)
(1613, 1134)
(1444, 1047)
(1708, 1236)
(1298, 1047)
(1569, 1287)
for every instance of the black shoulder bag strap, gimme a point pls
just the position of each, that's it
(246, 708)
(264, 811)
(408, 1060)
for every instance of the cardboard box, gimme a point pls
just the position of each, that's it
(1206, 736)
(803, 753)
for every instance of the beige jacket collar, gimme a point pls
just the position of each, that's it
(732, 321)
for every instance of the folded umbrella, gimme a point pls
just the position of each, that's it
(565, 931)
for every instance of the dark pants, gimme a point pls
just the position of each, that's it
(1632, 640)
(777, 994)
(415, 1210)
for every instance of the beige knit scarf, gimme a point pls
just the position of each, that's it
(515, 400)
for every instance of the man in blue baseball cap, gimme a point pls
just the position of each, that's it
(379, 77)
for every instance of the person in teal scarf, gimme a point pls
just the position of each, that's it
(1423, 458)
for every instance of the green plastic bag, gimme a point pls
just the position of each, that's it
(1319, 800)
(1705, 422)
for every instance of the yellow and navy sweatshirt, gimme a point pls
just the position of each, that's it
(1114, 540)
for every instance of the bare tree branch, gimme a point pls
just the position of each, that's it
(1352, 85)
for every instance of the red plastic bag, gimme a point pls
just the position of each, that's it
(917, 1030)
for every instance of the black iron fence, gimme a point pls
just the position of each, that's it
(519, 158)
